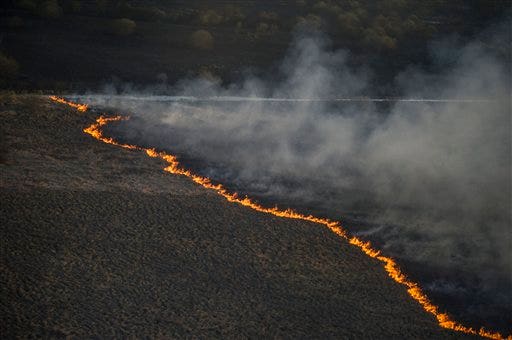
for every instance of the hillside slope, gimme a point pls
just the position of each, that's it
(99, 241)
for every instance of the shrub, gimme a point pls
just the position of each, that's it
(202, 40)
(377, 40)
(233, 14)
(326, 8)
(228, 14)
(209, 17)
(349, 25)
(122, 27)
(49, 9)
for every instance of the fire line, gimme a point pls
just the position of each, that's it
(390, 265)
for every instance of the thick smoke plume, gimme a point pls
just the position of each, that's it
(429, 180)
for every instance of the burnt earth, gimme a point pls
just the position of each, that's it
(98, 241)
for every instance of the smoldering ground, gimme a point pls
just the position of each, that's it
(429, 181)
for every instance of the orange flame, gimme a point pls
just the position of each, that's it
(79, 107)
(390, 264)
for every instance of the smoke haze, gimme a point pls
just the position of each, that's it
(430, 182)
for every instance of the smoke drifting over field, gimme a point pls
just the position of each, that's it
(430, 181)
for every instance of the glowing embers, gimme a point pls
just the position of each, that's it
(390, 265)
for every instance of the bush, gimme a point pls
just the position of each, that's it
(326, 8)
(8, 69)
(209, 17)
(349, 25)
(122, 27)
(233, 14)
(378, 40)
(228, 14)
(49, 9)
(202, 40)
(143, 13)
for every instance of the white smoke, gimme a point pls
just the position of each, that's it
(432, 177)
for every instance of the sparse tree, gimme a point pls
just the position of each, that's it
(122, 27)
(349, 25)
(233, 14)
(202, 40)
(49, 9)
(209, 17)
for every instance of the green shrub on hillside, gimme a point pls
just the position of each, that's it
(326, 8)
(349, 25)
(378, 40)
(122, 27)
(227, 15)
(202, 40)
(209, 17)
(233, 14)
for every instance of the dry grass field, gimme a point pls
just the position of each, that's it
(98, 241)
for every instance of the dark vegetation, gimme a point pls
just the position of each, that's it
(99, 242)
(68, 45)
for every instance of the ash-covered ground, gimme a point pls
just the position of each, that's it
(98, 241)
